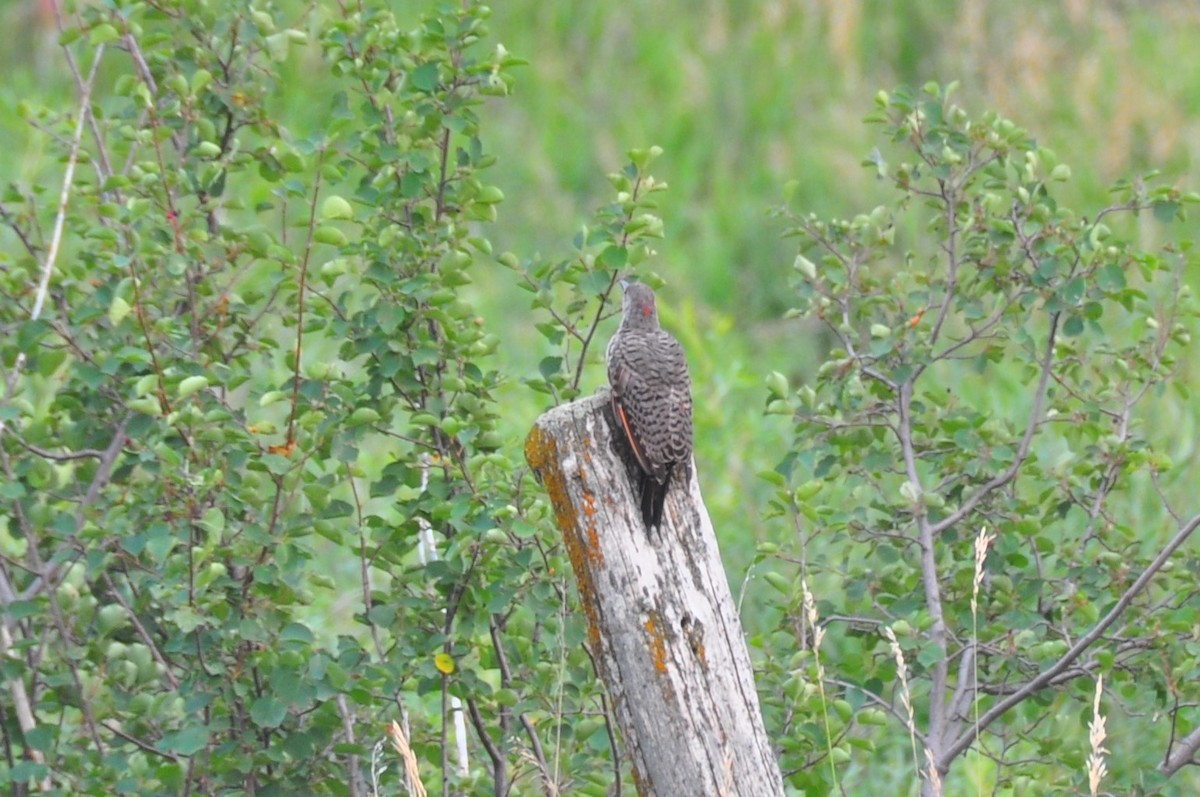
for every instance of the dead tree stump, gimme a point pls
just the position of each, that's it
(662, 623)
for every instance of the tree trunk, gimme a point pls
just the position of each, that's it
(661, 621)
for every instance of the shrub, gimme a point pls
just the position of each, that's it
(974, 474)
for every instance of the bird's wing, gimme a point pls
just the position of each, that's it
(623, 419)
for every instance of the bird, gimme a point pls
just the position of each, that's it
(651, 397)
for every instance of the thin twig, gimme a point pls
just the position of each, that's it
(143, 634)
(499, 763)
(535, 742)
(107, 462)
(1031, 425)
(356, 780)
(1182, 755)
(16, 690)
(612, 283)
(308, 245)
(69, 456)
(146, 747)
(949, 198)
(28, 243)
(60, 218)
(65, 195)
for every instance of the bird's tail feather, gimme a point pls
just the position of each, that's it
(653, 497)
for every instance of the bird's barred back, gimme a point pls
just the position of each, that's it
(649, 372)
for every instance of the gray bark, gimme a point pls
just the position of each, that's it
(662, 623)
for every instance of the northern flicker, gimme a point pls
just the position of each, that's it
(651, 397)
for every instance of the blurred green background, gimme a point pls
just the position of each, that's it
(743, 97)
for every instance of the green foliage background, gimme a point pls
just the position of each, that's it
(743, 98)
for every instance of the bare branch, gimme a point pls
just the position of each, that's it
(68, 456)
(929, 578)
(29, 245)
(1179, 757)
(948, 197)
(964, 691)
(115, 729)
(499, 762)
(108, 461)
(143, 634)
(357, 787)
(102, 161)
(959, 745)
(68, 181)
(535, 742)
(16, 686)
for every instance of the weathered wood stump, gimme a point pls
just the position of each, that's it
(661, 620)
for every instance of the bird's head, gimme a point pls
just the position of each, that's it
(638, 305)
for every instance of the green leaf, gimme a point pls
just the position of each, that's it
(930, 655)
(779, 582)
(412, 183)
(200, 81)
(186, 742)
(336, 207)
(26, 771)
(103, 34)
(1110, 277)
(1166, 211)
(117, 310)
(805, 267)
(277, 46)
(213, 520)
(613, 258)
(490, 195)
(1073, 326)
(328, 234)
(30, 333)
(147, 405)
(595, 282)
(363, 415)
(772, 476)
(19, 610)
(425, 77)
(641, 158)
(190, 385)
(296, 632)
(187, 619)
(268, 712)
(40, 737)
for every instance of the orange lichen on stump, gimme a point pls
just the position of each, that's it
(541, 452)
(592, 544)
(658, 646)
